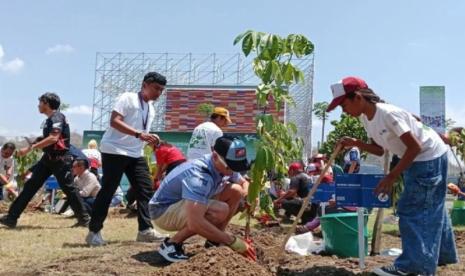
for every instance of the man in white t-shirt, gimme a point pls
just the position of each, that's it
(122, 152)
(204, 135)
(7, 167)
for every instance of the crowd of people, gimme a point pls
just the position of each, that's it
(198, 193)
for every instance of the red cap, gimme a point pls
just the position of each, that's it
(341, 89)
(296, 166)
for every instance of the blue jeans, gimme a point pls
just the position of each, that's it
(425, 228)
(88, 203)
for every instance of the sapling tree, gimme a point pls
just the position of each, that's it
(277, 142)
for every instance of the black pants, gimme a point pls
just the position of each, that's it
(292, 207)
(60, 167)
(88, 202)
(137, 172)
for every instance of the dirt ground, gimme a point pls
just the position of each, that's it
(30, 254)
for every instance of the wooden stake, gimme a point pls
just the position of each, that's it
(378, 227)
(307, 200)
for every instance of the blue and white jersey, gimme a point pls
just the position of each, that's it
(196, 180)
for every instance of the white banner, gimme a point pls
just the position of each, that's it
(433, 107)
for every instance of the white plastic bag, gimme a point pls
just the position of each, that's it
(304, 244)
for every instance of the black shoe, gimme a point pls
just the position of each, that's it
(81, 223)
(390, 270)
(8, 222)
(446, 263)
(172, 252)
(210, 244)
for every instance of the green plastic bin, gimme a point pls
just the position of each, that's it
(457, 216)
(341, 235)
(458, 204)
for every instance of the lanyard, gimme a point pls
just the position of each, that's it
(144, 122)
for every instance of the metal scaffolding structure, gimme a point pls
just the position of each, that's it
(116, 73)
(302, 113)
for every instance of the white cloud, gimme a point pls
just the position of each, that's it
(12, 66)
(79, 110)
(11, 133)
(60, 48)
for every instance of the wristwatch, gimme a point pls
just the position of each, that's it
(137, 134)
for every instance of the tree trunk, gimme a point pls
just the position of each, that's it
(378, 227)
(323, 130)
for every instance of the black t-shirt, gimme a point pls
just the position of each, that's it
(57, 122)
(300, 183)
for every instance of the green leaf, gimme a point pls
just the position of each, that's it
(258, 67)
(288, 75)
(266, 76)
(239, 37)
(275, 47)
(247, 44)
(276, 71)
(298, 76)
(301, 46)
(256, 39)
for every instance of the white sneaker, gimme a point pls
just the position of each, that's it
(95, 239)
(68, 213)
(172, 252)
(150, 235)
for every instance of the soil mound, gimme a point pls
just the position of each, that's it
(216, 261)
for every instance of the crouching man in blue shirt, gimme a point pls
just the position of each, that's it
(194, 200)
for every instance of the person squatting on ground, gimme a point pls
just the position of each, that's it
(291, 201)
(204, 135)
(168, 157)
(86, 182)
(425, 228)
(56, 160)
(7, 168)
(122, 152)
(194, 200)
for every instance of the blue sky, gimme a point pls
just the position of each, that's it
(396, 46)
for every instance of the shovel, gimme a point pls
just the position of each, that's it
(310, 194)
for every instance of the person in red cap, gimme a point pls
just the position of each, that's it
(292, 200)
(425, 229)
(319, 162)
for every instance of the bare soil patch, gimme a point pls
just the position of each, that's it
(45, 245)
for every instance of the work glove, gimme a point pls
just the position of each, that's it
(244, 247)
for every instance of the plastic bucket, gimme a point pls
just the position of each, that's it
(457, 216)
(458, 204)
(341, 235)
